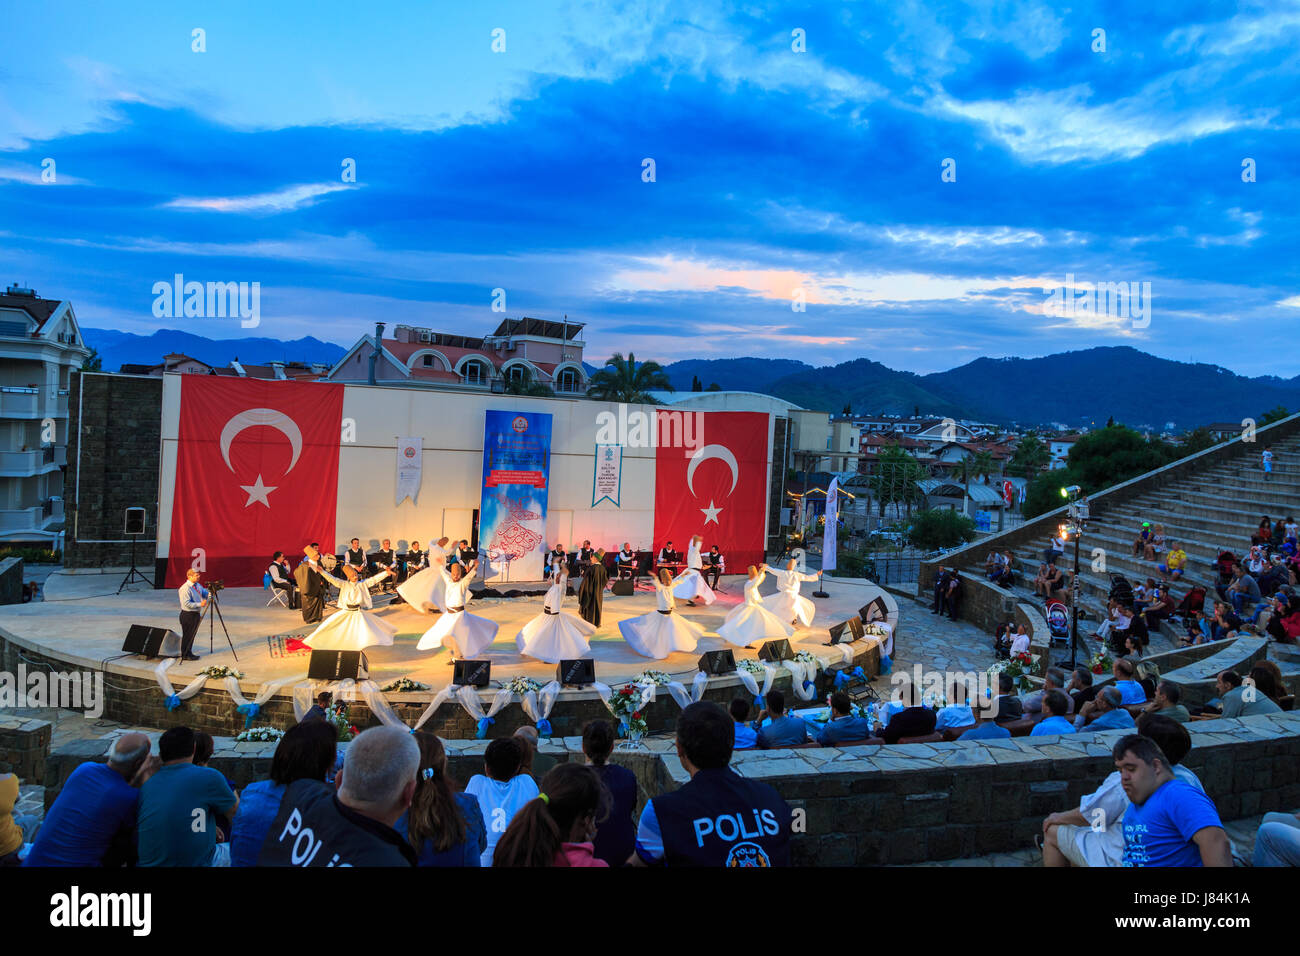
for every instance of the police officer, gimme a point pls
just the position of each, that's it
(717, 818)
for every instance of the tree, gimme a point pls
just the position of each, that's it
(696, 384)
(1276, 415)
(523, 386)
(624, 380)
(978, 465)
(1097, 461)
(848, 409)
(894, 478)
(1198, 439)
(1030, 457)
(714, 387)
(93, 362)
(936, 528)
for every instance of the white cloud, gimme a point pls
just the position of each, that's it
(281, 200)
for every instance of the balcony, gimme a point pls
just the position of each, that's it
(22, 519)
(51, 512)
(33, 402)
(21, 464)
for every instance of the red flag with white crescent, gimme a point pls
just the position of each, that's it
(257, 469)
(716, 487)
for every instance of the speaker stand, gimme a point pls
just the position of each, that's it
(135, 572)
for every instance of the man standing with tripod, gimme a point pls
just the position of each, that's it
(194, 598)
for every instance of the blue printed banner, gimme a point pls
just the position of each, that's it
(516, 476)
(607, 479)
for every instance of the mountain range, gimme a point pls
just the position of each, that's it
(1075, 389)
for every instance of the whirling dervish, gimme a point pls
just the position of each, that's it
(425, 590)
(555, 634)
(690, 585)
(661, 632)
(351, 628)
(751, 621)
(788, 604)
(465, 634)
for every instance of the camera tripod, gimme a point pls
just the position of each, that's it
(213, 618)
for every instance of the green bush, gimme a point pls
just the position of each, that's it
(941, 528)
(854, 564)
(32, 555)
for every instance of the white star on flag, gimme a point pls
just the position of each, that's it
(711, 513)
(258, 492)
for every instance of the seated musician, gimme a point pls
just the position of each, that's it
(468, 555)
(416, 560)
(281, 578)
(667, 555)
(714, 565)
(625, 561)
(386, 559)
(356, 557)
(556, 558)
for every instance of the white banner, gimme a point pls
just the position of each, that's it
(832, 519)
(410, 469)
(607, 480)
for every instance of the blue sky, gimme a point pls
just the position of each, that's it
(775, 171)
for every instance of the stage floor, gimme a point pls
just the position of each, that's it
(84, 623)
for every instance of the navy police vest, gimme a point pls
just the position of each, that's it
(720, 818)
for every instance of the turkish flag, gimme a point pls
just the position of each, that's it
(257, 471)
(716, 487)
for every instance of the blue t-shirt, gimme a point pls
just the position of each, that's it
(1051, 725)
(94, 805)
(1131, 692)
(746, 737)
(258, 805)
(177, 805)
(1160, 831)
(986, 731)
(468, 852)
(1117, 719)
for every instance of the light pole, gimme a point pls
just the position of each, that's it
(1077, 515)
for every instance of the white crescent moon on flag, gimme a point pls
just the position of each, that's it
(262, 416)
(720, 452)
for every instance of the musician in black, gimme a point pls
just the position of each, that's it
(468, 555)
(556, 558)
(625, 561)
(416, 560)
(386, 559)
(667, 555)
(713, 566)
(356, 556)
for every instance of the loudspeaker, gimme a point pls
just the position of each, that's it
(471, 673)
(778, 650)
(576, 672)
(718, 662)
(338, 665)
(622, 587)
(847, 632)
(873, 610)
(148, 641)
(134, 523)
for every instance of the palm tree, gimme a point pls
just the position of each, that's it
(523, 386)
(623, 380)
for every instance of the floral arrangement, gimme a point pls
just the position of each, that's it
(807, 657)
(855, 710)
(218, 671)
(934, 699)
(260, 734)
(339, 718)
(752, 667)
(522, 685)
(1019, 667)
(658, 678)
(626, 705)
(404, 685)
(1101, 662)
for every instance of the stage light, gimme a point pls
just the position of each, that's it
(1070, 491)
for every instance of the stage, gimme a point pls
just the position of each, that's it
(81, 626)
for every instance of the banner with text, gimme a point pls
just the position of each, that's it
(410, 469)
(607, 481)
(516, 477)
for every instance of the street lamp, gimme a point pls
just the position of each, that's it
(1077, 515)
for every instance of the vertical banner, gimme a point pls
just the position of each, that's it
(607, 479)
(257, 470)
(829, 536)
(410, 469)
(516, 477)
(711, 480)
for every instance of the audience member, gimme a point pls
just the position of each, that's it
(1007, 705)
(1104, 712)
(16, 830)
(616, 832)
(842, 726)
(1243, 700)
(780, 730)
(1081, 689)
(444, 827)
(536, 764)
(179, 805)
(502, 789)
(918, 721)
(1131, 692)
(1054, 679)
(558, 827)
(746, 737)
(1278, 841)
(1055, 721)
(1165, 703)
(319, 710)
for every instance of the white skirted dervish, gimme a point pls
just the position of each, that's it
(656, 634)
(351, 628)
(465, 634)
(788, 604)
(751, 621)
(555, 634)
(425, 590)
(690, 584)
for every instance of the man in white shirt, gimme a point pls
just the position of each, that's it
(194, 598)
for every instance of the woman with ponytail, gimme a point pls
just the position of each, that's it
(556, 828)
(445, 827)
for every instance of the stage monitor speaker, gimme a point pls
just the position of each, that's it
(847, 631)
(778, 650)
(873, 610)
(718, 662)
(471, 673)
(151, 641)
(576, 673)
(134, 523)
(338, 665)
(622, 587)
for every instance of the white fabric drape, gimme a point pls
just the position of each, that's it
(801, 671)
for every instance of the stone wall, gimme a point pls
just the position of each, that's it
(114, 449)
(24, 747)
(11, 581)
